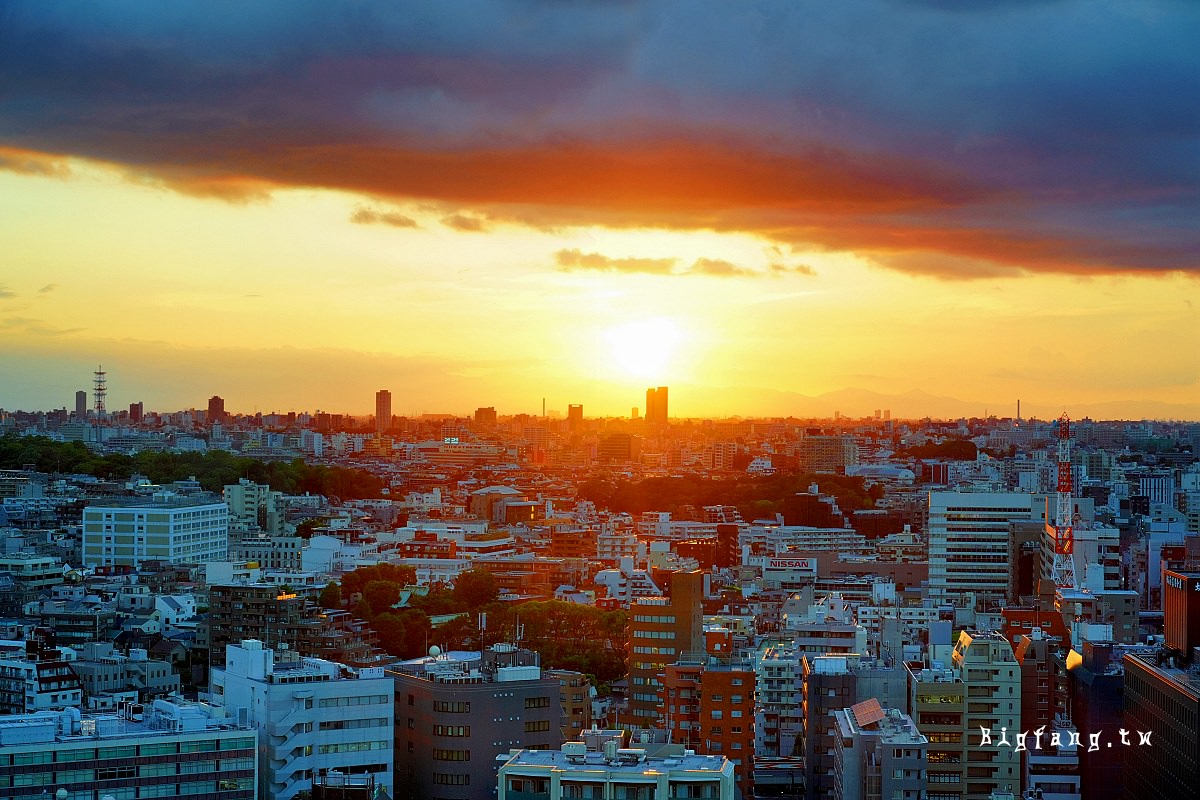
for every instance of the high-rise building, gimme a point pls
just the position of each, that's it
(1163, 702)
(313, 716)
(485, 416)
(574, 417)
(383, 411)
(661, 630)
(938, 699)
(455, 713)
(136, 413)
(968, 535)
(177, 531)
(992, 678)
(656, 406)
(216, 409)
(81, 405)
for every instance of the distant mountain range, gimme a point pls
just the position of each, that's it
(915, 404)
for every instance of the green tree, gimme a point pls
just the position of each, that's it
(475, 589)
(331, 596)
(381, 595)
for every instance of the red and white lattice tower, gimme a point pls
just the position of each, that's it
(1063, 572)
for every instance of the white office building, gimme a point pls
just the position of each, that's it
(968, 536)
(173, 531)
(314, 717)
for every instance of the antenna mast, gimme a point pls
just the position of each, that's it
(1064, 538)
(99, 390)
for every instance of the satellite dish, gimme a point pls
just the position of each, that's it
(435, 651)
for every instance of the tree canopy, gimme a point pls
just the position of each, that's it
(214, 469)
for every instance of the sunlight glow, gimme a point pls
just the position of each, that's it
(643, 348)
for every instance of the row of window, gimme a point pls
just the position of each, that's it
(125, 751)
(352, 747)
(451, 755)
(361, 700)
(450, 707)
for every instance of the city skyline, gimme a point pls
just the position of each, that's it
(906, 205)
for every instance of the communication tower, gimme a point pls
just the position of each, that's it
(99, 390)
(1063, 571)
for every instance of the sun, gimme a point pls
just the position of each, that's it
(643, 348)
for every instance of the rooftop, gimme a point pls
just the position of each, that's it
(631, 760)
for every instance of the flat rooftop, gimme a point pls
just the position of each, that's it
(595, 763)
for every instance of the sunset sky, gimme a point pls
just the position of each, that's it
(295, 204)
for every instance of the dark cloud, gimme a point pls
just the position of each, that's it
(371, 216)
(1016, 133)
(48, 288)
(464, 223)
(6, 293)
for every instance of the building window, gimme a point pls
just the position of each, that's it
(537, 702)
(451, 707)
(451, 755)
(537, 726)
(455, 730)
(447, 779)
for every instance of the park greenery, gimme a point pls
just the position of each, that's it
(214, 469)
(754, 497)
(567, 635)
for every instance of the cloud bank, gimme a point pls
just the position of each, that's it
(1003, 138)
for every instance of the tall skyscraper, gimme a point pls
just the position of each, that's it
(216, 409)
(383, 411)
(656, 406)
(136, 412)
(81, 406)
(574, 417)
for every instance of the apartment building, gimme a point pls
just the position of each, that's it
(314, 717)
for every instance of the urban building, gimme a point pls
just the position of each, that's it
(31, 576)
(174, 531)
(661, 630)
(656, 406)
(879, 753)
(216, 409)
(109, 677)
(992, 678)
(938, 699)
(166, 749)
(968, 535)
(269, 614)
(254, 507)
(314, 717)
(575, 771)
(36, 676)
(575, 695)
(574, 417)
(383, 411)
(1162, 701)
(456, 712)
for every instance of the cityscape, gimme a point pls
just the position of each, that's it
(600, 400)
(533, 606)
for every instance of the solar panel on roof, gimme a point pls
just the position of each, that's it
(868, 712)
